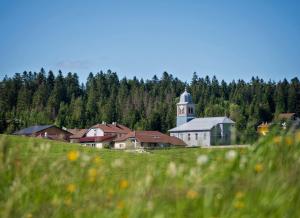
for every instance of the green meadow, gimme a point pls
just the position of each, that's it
(41, 178)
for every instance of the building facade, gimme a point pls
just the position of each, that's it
(204, 131)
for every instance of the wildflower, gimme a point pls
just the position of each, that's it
(73, 155)
(258, 168)
(123, 184)
(71, 188)
(277, 139)
(239, 195)
(239, 205)
(231, 155)
(92, 173)
(120, 205)
(97, 160)
(289, 140)
(202, 159)
(191, 194)
(172, 170)
(29, 215)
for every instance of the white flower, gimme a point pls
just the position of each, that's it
(231, 155)
(172, 170)
(202, 159)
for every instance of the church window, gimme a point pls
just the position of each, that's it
(189, 137)
(196, 136)
(204, 136)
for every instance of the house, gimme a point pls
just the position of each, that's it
(45, 131)
(204, 131)
(101, 135)
(146, 139)
(76, 134)
(287, 117)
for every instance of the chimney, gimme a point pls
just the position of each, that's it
(114, 123)
(103, 122)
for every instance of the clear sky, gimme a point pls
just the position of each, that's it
(229, 39)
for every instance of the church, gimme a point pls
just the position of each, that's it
(204, 131)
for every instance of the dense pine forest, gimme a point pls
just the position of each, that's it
(43, 98)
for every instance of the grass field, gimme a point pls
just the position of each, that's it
(41, 178)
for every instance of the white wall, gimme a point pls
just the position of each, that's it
(94, 144)
(203, 138)
(95, 132)
(120, 145)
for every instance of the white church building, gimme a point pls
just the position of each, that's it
(204, 131)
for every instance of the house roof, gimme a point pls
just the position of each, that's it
(151, 137)
(112, 128)
(205, 123)
(97, 138)
(32, 129)
(79, 133)
(286, 115)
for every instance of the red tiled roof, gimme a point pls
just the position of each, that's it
(151, 137)
(112, 128)
(97, 138)
(286, 115)
(79, 134)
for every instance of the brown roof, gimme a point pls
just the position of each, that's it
(286, 115)
(79, 134)
(152, 137)
(112, 128)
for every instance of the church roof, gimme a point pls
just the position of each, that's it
(185, 97)
(205, 123)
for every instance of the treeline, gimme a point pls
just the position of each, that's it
(43, 98)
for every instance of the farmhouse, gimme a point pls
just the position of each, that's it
(77, 134)
(146, 139)
(200, 131)
(100, 135)
(45, 131)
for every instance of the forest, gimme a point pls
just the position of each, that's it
(47, 98)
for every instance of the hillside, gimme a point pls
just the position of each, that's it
(41, 178)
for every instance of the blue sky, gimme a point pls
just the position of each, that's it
(229, 39)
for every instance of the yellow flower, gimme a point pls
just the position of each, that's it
(239, 195)
(71, 188)
(92, 173)
(277, 139)
(97, 160)
(239, 205)
(289, 140)
(191, 194)
(258, 168)
(123, 184)
(73, 155)
(29, 215)
(120, 205)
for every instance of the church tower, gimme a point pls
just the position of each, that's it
(185, 108)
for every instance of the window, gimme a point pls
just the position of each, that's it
(196, 136)
(189, 137)
(204, 136)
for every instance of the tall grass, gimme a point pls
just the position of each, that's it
(40, 178)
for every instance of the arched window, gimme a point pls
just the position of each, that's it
(189, 137)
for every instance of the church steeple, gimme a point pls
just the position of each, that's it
(185, 108)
